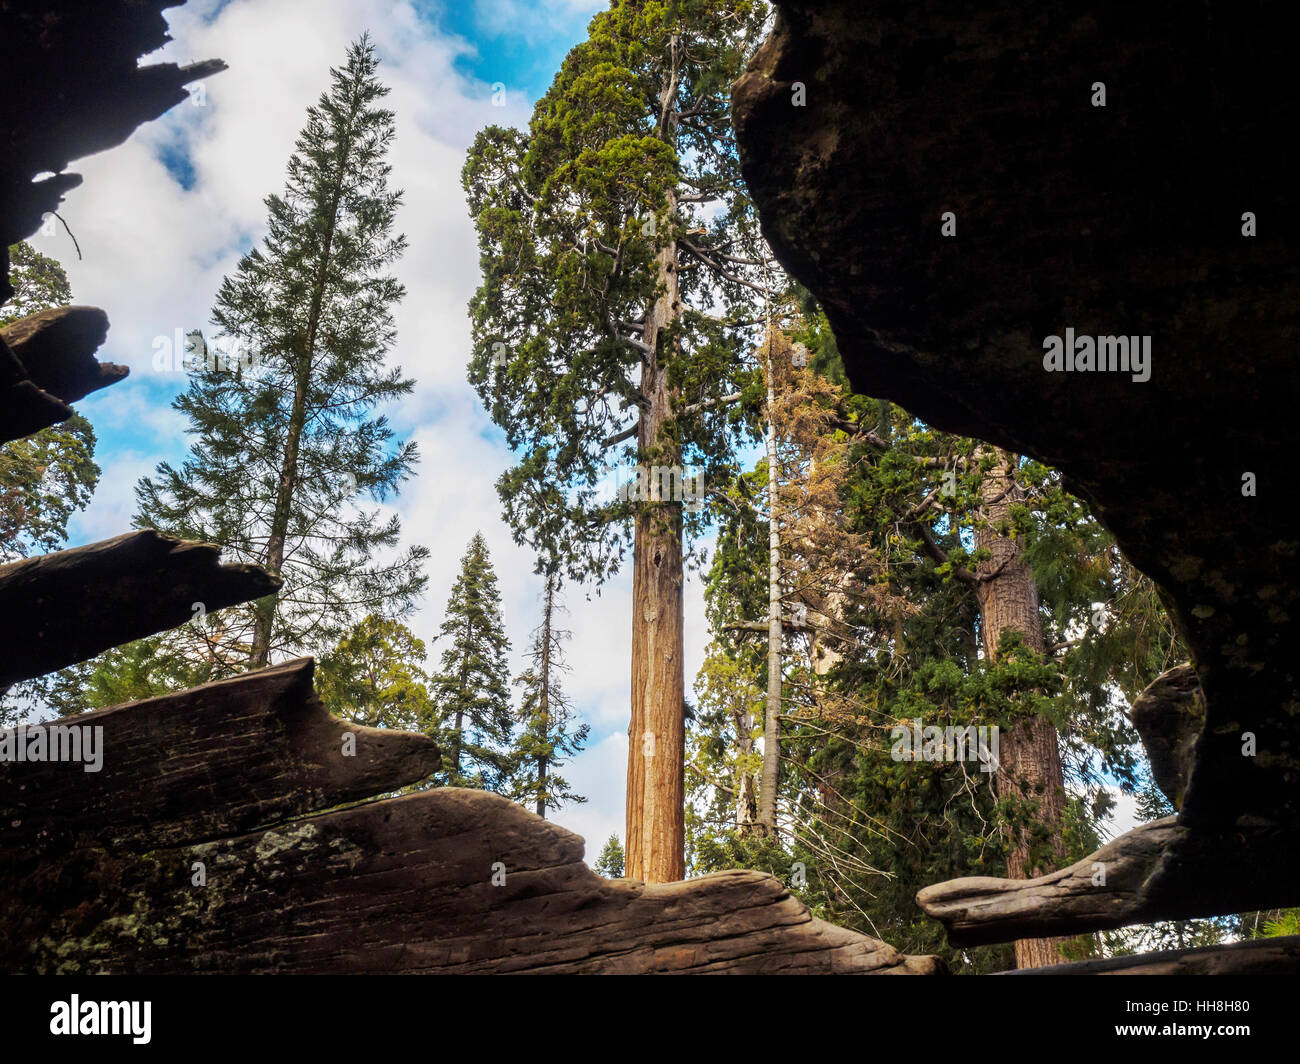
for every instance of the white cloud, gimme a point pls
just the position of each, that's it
(600, 775)
(530, 19)
(1124, 817)
(155, 253)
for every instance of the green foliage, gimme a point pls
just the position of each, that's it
(44, 479)
(373, 677)
(865, 831)
(47, 477)
(471, 689)
(39, 283)
(547, 739)
(610, 862)
(146, 668)
(722, 758)
(286, 451)
(629, 157)
(1283, 922)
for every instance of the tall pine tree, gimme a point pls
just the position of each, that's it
(471, 690)
(547, 739)
(622, 267)
(287, 447)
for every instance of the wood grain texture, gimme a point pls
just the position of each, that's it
(1158, 871)
(1091, 219)
(61, 608)
(1266, 956)
(214, 760)
(407, 885)
(97, 870)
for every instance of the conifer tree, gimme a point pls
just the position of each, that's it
(610, 862)
(547, 740)
(622, 266)
(471, 689)
(287, 442)
(882, 519)
(375, 677)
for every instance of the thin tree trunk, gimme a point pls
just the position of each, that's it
(545, 696)
(656, 785)
(1029, 758)
(288, 481)
(285, 488)
(746, 796)
(454, 780)
(772, 721)
(455, 748)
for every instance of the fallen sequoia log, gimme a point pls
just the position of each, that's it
(1158, 871)
(190, 851)
(214, 760)
(1261, 956)
(201, 831)
(1167, 214)
(65, 607)
(1169, 716)
(46, 363)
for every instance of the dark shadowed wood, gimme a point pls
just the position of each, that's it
(406, 885)
(46, 362)
(1159, 871)
(25, 409)
(61, 608)
(56, 348)
(213, 760)
(1070, 216)
(74, 85)
(1264, 956)
(1169, 716)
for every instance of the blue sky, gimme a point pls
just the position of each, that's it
(512, 42)
(163, 218)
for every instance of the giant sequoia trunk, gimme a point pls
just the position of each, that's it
(1029, 759)
(656, 786)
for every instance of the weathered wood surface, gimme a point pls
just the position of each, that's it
(214, 760)
(1169, 716)
(56, 347)
(1070, 216)
(406, 885)
(1263, 956)
(24, 408)
(61, 608)
(46, 363)
(97, 870)
(1158, 871)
